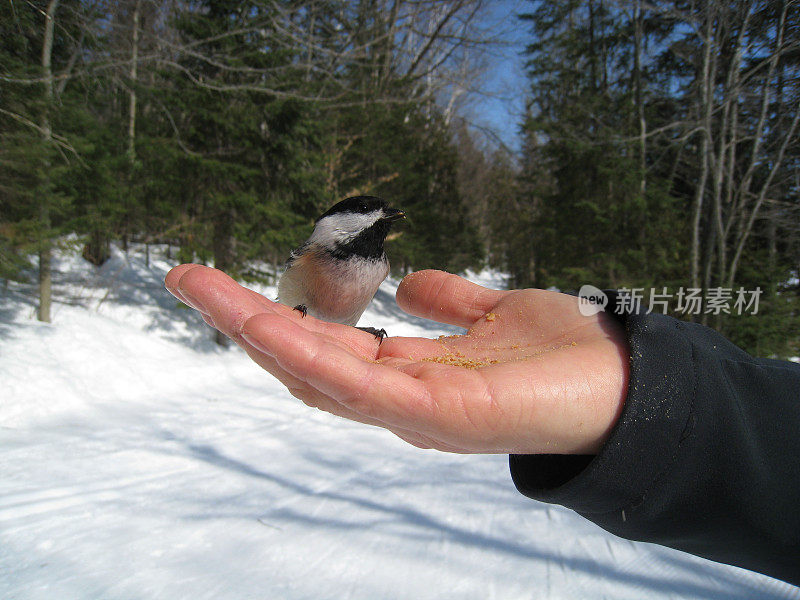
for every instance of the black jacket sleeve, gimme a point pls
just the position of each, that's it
(705, 456)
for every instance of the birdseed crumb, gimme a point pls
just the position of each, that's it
(459, 360)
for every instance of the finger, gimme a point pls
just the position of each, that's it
(227, 303)
(261, 299)
(215, 294)
(364, 386)
(315, 399)
(426, 443)
(228, 306)
(174, 276)
(360, 341)
(229, 323)
(300, 389)
(445, 297)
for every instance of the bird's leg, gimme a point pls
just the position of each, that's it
(302, 308)
(378, 333)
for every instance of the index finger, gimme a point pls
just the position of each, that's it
(230, 305)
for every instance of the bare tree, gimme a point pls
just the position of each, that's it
(743, 140)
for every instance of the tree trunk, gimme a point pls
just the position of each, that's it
(708, 260)
(639, 27)
(704, 109)
(592, 50)
(639, 99)
(96, 250)
(131, 150)
(45, 244)
(772, 246)
(133, 78)
(45, 274)
(697, 212)
(223, 253)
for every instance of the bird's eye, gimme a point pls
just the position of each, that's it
(363, 207)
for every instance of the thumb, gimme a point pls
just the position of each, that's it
(445, 298)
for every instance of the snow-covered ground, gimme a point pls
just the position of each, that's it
(138, 460)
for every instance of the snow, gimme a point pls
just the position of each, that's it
(140, 460)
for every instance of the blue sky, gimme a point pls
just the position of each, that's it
(502, 106)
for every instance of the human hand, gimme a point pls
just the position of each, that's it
(532, 375)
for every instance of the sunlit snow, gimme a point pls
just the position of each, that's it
(139, 460)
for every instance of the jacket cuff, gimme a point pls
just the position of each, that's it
(656, 415)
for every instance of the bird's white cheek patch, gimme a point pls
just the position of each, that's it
(342, 227)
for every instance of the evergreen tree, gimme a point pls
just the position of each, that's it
(38, 147)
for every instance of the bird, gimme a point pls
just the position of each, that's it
(335, 274)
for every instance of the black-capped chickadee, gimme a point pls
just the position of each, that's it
(334, 275)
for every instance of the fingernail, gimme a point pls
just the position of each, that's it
(177, 294)
(256, 344)
(193, 302)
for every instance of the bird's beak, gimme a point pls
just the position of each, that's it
(392, 214)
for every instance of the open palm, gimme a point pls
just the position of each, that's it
(531, 375)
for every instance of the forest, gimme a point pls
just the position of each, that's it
(659, 146)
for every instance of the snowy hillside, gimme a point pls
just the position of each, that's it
(140, 461)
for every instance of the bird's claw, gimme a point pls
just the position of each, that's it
(303, 309)
(378, 333)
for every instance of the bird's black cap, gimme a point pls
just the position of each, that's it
(356, 204)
